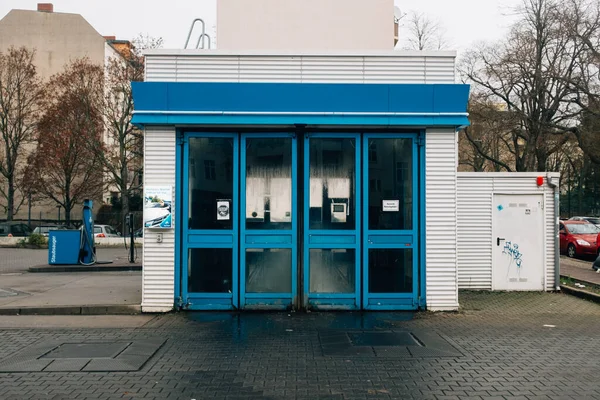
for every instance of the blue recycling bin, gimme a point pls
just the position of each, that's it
(63, 247)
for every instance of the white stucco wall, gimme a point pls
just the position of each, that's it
(305, 24)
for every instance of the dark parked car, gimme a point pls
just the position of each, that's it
(14, 229)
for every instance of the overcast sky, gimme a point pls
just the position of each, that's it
(465, 21)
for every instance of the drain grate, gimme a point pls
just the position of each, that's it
(86, 356)
(399, 344)
(382, 339)
(87, 350)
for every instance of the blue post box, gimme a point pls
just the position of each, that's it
(63, 247)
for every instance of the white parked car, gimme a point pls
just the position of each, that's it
(101, 231)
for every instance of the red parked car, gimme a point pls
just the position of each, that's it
(578, 238)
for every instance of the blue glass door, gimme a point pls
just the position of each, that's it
(209, 276)
(332, 223)
(268, 226)
(390, 217)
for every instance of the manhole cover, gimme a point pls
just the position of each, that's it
(383, 339)
(8, 293)
(393, 343)
(87, 350)
(86, 356)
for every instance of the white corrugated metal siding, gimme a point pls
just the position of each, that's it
(158, 277)
(474, 223)
(213, 66)
(440, 187)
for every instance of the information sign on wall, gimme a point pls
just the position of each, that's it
(157, 207)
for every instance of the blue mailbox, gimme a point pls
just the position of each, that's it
(63, 247)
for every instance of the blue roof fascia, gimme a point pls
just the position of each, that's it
(300, 103)
(341, 120)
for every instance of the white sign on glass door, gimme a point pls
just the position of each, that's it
(390, 205)
(222, 210)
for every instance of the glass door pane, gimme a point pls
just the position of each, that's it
(391, 238)
(268, 183)
(268, 242)
(332, 183)
(390, 184)
(209, 235)
(210, 183)
(331, 225)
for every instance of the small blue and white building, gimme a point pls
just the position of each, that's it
(305, 181)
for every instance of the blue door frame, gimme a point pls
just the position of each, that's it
(332, 239)
(268, 239)
(206, 238)
(361, 239)
(392, 239)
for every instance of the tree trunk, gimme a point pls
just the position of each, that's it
(11, 200)
(124, 193)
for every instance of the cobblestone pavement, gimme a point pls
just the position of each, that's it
(14, 260)
(506, 345)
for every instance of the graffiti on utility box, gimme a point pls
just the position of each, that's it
(512, 249)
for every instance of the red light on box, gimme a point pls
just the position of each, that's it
(540, 180)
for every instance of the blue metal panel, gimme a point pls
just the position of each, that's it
(198, 238)
(303, 103)
(64, 246)
(299, 97)
(179, 295)
(390, 239)
(384, 239)
(330, 239)
(333, 119)
(422, 225)
(210, 238)
(268, 239)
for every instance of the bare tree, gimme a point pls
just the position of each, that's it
(121, 149)
(424, 33)
(527, 74)
(63, 167)
(582, 23)
(20, 95)
(485, 144)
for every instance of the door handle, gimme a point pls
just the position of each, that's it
(498, 240)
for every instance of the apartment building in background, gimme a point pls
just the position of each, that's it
(58, 38)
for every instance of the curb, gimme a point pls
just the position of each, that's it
(83, 268)
(582, 294)
(73, 310)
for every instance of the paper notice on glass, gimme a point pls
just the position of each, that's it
(390, 205)
(223, 210)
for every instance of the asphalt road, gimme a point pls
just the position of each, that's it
(14, 260)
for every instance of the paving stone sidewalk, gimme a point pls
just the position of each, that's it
(500, 345)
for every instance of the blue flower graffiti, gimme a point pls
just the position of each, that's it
(512, 249)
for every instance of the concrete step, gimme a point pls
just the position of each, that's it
(73, 310)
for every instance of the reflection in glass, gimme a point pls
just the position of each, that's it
(390, 271)
(268, 270)
(209, 270)
(332, 270)
(390, 179)
(210, 180)
(332, 183)
(269, 183)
